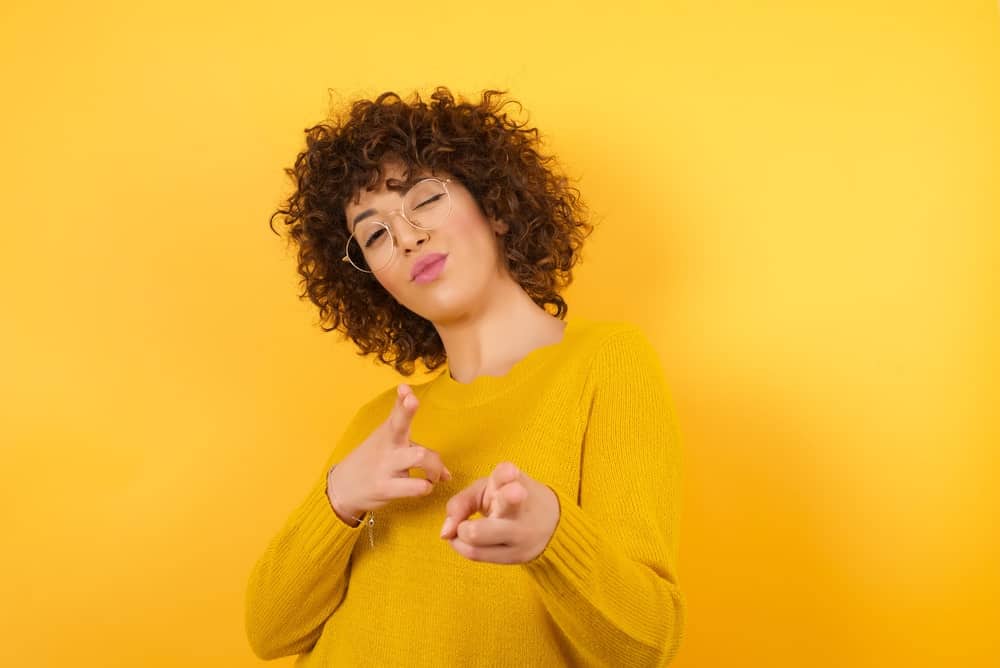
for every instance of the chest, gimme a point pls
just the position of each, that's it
(540, 431)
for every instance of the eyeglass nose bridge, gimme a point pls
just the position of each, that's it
(399, 212)
(393, 234)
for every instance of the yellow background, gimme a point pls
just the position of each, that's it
(798, 203)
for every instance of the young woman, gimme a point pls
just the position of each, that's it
(522, 506)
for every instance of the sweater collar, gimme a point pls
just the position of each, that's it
(444, 390)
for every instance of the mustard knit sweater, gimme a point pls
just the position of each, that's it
(591, 417)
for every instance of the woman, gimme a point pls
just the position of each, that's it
(543, 529)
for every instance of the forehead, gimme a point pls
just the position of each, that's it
(397, 177)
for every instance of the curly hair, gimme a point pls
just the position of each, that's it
(499, 161)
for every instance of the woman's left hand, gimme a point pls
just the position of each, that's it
(520, 515)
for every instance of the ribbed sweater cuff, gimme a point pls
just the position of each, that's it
(568, 559)
(327, 537)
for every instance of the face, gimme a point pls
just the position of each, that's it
(467, 237)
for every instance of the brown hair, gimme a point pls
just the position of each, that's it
(495, 157)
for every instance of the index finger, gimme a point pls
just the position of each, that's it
(401, 416)
(462, 505)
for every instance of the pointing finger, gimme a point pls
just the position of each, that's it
(508, 498)
(503, 473)
(462, 505)
(402, 414)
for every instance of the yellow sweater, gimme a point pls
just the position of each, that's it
(591, 417)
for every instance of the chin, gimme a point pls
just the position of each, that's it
(442, 305)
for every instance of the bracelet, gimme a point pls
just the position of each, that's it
(371, 515)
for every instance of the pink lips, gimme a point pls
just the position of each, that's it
(428, 268)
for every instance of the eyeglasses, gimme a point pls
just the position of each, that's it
(372, 245)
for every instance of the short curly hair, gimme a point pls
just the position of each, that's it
(499, 161)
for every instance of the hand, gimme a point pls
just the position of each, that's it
(378, 470)
(521, 514)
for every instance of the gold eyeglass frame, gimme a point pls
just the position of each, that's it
(392, 237)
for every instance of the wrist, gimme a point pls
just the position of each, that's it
(345, 513)
(349, 517)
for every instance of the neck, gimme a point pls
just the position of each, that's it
(500, 332)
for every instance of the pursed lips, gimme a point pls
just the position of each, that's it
(426, 263)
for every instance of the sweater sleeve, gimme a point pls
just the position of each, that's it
(608, 576)
(301, 578)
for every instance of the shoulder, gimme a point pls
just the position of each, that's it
(620, 355)
(372, 411)
(607, 339)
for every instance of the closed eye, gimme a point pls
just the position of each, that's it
(429, 200)
(373, 238)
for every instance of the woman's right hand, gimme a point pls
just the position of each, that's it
(378, 470)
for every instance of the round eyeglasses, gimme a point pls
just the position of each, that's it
(372, 245)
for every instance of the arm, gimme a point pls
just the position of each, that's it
(301, 578)
(608, 576)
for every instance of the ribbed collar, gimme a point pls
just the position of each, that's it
(443, 390)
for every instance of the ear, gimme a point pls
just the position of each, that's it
(499, 226)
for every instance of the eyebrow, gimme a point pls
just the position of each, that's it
(398, 185)
(358, 218)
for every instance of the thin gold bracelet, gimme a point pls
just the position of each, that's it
(371, 515)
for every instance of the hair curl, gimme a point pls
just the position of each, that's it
(496, 158)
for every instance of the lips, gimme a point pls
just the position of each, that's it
(427, 267)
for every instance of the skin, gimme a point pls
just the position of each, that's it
(487, 323)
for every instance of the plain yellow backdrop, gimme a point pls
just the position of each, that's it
(798, 202)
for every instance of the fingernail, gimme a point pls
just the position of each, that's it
(447, 473)
(446, 527)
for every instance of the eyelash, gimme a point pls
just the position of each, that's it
(372, 238)
(428, 201)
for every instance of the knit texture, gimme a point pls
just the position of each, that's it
(591, 417)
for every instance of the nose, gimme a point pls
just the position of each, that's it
(409, 237)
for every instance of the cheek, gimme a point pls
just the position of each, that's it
(395, 282)
(474, 235)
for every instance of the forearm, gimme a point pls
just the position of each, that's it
(613, 610)
(300, 579)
